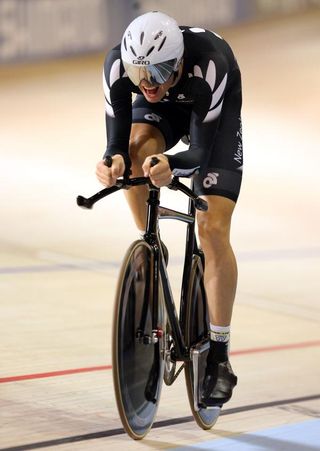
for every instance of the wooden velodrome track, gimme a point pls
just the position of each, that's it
(58, 263)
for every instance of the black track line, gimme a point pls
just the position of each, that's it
(156, 425)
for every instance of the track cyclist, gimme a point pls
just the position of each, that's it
(188, 86)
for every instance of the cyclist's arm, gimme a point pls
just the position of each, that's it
(118, 103)
(204, 120)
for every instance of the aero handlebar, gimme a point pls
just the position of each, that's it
(127, 183)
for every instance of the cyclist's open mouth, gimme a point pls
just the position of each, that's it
(151, 92)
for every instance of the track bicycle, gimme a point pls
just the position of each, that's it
(149, 337)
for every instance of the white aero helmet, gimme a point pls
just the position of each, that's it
(152, 48)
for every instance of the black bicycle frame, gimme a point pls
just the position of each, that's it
(154, 213)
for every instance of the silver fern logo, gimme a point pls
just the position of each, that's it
(217, 92)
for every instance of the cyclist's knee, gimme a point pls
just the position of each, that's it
(214, 224)
(144, 140)
(214, 233)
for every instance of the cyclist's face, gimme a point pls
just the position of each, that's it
(155, 92)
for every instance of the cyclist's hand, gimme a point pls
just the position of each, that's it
(108, 176)
(160, 174)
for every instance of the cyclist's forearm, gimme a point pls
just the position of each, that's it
(187, 160)
(114, 151)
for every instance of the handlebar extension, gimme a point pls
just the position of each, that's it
(123, 183)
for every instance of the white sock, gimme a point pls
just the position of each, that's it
(220, 333)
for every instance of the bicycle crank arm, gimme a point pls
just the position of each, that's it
(198, 357)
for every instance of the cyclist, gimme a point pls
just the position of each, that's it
(187, 83)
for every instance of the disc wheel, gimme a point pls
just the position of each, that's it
(197, 327)
(137, 359)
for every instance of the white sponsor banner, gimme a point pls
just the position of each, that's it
(32, 29)
(219, 13)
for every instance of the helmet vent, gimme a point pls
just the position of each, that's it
(132, 50)
(125, 44)
(158, 35)
(150, 50)
(161, 45)
(141, 37)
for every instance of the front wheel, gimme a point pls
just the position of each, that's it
(197, 329)
(137, 352)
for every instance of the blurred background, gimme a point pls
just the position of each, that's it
(44, 29)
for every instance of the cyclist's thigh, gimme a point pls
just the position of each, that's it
(170, 119)
(223, 174)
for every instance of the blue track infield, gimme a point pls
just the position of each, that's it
(303, 436)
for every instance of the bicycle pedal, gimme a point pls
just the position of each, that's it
(198, 355)
(216, 408)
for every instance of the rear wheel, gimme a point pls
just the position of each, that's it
(197, 328)
(137, 350)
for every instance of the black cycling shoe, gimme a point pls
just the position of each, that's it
(218, 384)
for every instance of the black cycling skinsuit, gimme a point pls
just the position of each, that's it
(205, 104)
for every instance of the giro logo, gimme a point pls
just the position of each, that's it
(211, 179)
(152, 117)
(141, 61)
